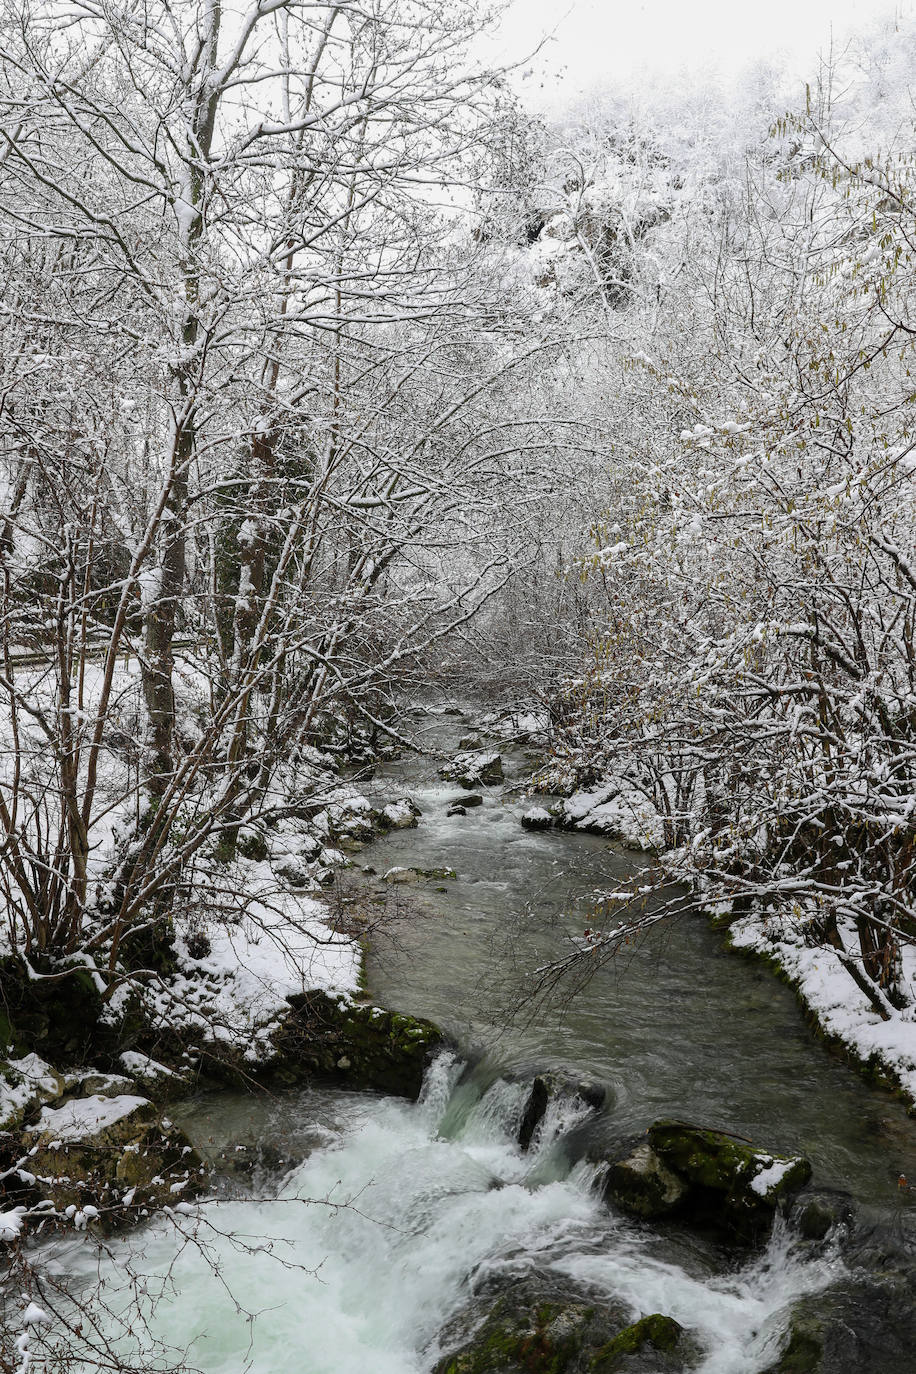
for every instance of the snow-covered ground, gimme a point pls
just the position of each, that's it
(839, 1005)
(615, 808)
(234, 975)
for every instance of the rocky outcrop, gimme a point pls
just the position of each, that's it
(362, 1046)
(100, 1158)
(708, 1177)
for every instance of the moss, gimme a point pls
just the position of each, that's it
(661, 1332)
(364, 1046)
(804, 1353)
(544, 1341)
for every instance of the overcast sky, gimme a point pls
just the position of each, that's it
(603, 43)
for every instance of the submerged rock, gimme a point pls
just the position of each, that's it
(400, 875)
(548, 1087)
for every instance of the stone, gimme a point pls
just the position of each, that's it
(563, 1333)
(457, 811)
(732, 1183)
(155, 1080)
(473, 768)
(292, 870)
(816, 1213)
(536, 818)
(27, 1084)
(653, 1336)
(546, 1087)
(112, 1154)
(400, 815)
(643, 1186)
(382, 1049)
(95, 1084)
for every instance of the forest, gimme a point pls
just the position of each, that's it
(405, 495)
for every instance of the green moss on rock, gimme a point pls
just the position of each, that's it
(364, 1046)
(661, 1332)
(730, 1181)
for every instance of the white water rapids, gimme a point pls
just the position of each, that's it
(369, 1247)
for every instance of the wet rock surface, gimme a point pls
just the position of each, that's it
(537, 1329)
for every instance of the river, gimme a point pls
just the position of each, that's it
(374, 1231)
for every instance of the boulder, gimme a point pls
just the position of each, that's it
(536, 818)
(401, 875)
(547, 1087)
(471, 769)
(643, 1186)
(400, 815)
(362, 1046)
(653, 1343)
(110, 1154)
(565, 1334)
(731, 1182)
(26, 1084)
(457, 811)
(155, 1080)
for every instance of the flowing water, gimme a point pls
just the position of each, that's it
(379, 1231)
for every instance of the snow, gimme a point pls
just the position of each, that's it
(35, 1316)
(10, 1226)
(85, 1117)
(23, 1082)
(279, 945)
(142, 1066)
(841, 1008)
(770, 1177)
(617, 809)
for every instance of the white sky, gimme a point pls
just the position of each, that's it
(599, 44)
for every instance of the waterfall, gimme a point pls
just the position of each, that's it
(359, 1257)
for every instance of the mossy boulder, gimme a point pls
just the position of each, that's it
(362, 1046)
(114, 1154)
(56, 1016)
(655, 1342)
(569, 1336)
(547, 1339)
(731, 1182)
(643, 1186)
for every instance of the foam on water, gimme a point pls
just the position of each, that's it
(379, 1238)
